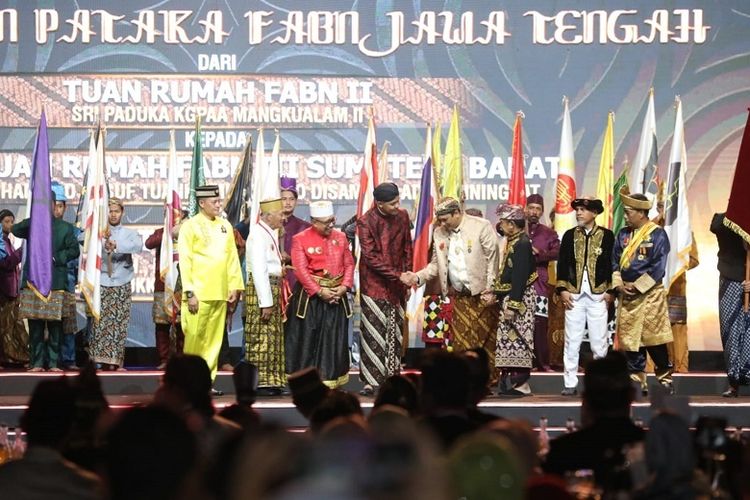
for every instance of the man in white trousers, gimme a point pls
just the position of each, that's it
(584, 282)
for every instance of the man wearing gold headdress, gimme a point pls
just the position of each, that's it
(639, 262)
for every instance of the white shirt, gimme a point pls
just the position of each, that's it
(458, 275)
(263, 260)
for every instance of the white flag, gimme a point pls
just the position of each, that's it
(676, 216)
(168, 257)
(565, 186)
(644, 171)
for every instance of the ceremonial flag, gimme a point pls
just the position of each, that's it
(618, 209)
(605, 183)
(39, 251)
(453, 165)
(676, 215)
(437, 161)
(96, 228)
(565, 186)
(270, 177)
(644, 169)
(197, 177)
(423, 224)
(256, 188)
(517, 181)
(168, 256)
(383, 164)
(368, 176)
(240, 191)
(738, 216)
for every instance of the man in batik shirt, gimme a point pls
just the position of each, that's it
(386, 246)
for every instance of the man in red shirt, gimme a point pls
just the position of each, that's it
(316, 330)
(385, 242)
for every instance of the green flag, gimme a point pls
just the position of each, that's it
(197, 178)
(618, 209)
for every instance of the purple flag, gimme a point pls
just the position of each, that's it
(39, 254)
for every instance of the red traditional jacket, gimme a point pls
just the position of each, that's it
(325, 257)
(386, 246)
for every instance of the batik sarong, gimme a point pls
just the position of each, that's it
(515, 339)
(108, 335)
(316, 334)
(735, 331)
(381, 339)
(264, 340)
(13, 334)
(475, 325)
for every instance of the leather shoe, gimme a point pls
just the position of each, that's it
(216, 392)
(569, 391)
(367, 391)
(268, 391)
(732, 392)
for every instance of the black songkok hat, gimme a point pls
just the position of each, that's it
(590, 204)
(208, 191)
(387, 191)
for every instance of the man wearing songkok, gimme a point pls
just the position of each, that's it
(14, 340)
(264, 329)
(545, 246)
(109, 333)
(159, 313)
(584, 280)
(386, 252)
(734, 321)
(638, 262)
(515, 289)
(70, 323)
(47, 313)
(292, 224)
(465, 258)
(318, 315)
(211, 276)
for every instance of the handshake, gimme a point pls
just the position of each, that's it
(409, 279)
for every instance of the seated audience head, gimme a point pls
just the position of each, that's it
(187, 381)
(245, 377)
(335, 404)
(607, 388)
(308, 390)
(444, 381)
(520, 434)
(150, 455)
(479, 374)
(484, 466)
(397, 390)
(48, 419)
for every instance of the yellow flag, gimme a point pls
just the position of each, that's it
(453, 174)
(605, 184)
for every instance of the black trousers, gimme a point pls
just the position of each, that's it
(658, 353)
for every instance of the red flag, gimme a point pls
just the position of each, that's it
(368, 176)
(517, 181)
(738, 216)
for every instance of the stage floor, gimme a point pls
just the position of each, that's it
(697, 394)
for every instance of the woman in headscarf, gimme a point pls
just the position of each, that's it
(514, 288)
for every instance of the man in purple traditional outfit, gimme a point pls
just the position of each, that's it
(292, 224)
(545, 246)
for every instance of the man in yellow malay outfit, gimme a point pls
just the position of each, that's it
(211, 276)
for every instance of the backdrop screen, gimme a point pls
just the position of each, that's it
(315, 71)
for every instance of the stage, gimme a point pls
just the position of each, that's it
(697, 394)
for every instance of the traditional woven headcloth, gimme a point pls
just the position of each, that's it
(208, 191)
(510, 212)
(447, 206)
(59, 191)
(634, 203)
(535, 199)
(289, 184)
(387, 191)
(116, 201)
(271, 205)
(321, 209)
(591, 204)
